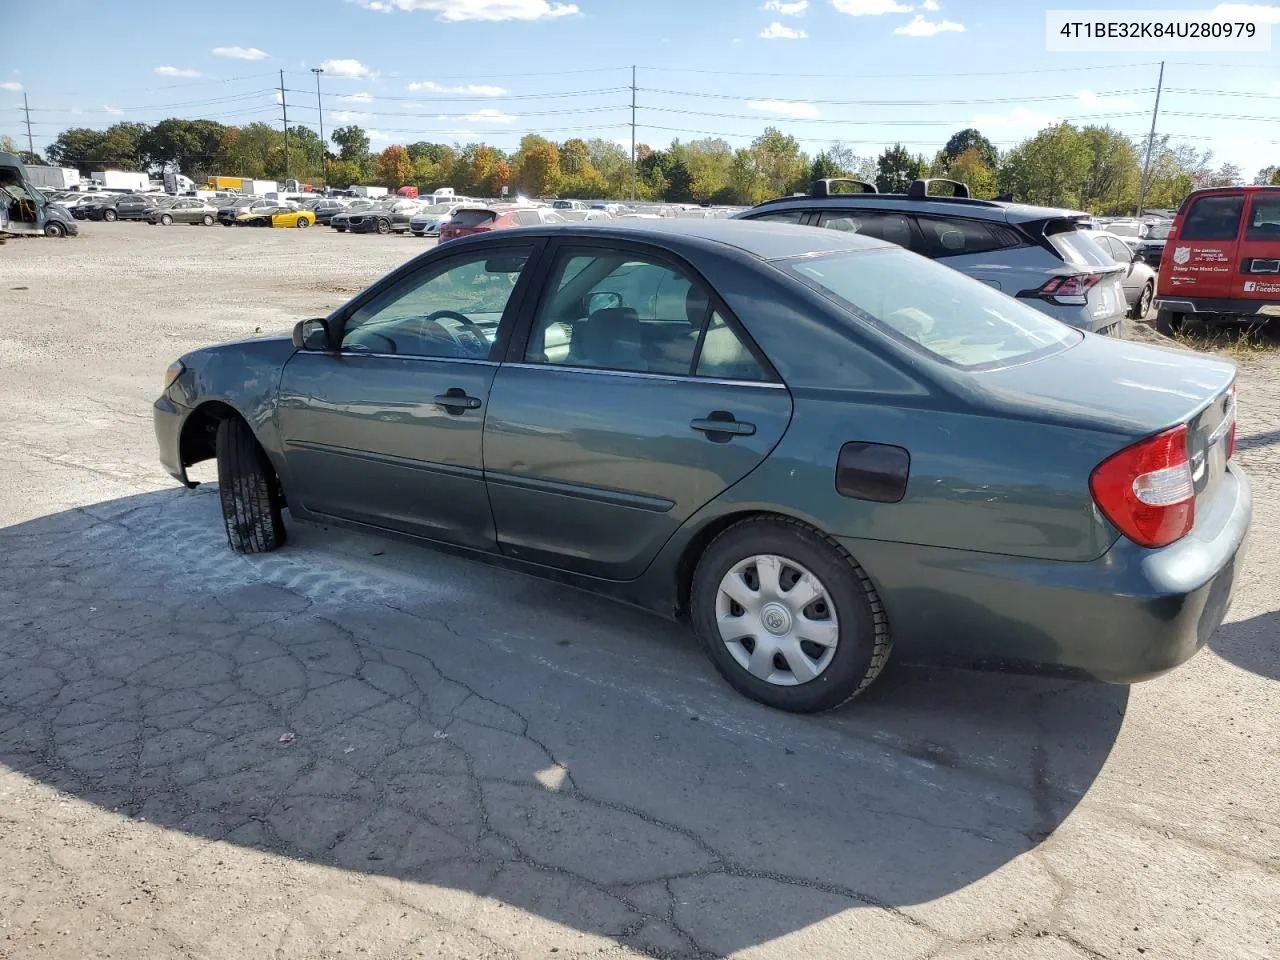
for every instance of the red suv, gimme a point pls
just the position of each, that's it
(1221, 262)
(468, 220)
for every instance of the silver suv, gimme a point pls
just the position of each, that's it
(1034, 253)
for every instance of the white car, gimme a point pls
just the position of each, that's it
(580, 215)
(427, 221)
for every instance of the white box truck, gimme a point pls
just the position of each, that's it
(53, 178)
(121, 180)
(369, 191)
(258, 188)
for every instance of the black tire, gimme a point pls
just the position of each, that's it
(864, 640)
(54, 229)
(108, 215)
(303, 223)
(1168, 322)
(1143, 306)
(247, 487)
(384, 226)
(207, 220)
(340, 229)
(166, 220)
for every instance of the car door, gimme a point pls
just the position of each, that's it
(630, 399)
(386, 429)
(1204, 260)
(1260, 249)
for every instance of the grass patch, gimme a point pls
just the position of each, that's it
(1237, 341)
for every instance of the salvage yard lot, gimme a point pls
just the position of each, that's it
(362, 747)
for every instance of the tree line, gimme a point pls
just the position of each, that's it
(1093, 168)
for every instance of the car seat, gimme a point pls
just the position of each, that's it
(608, 338)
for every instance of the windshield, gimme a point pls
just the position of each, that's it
(932, 307)
(437, 210)
(1125, 229)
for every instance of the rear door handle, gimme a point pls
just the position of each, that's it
(456, 400)
(721, 426)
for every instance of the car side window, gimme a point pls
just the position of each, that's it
(957, 237)
(527, 218)
(724, 355)
(1264, 219)
(1213, 218)
(782, 216)
(448, 309)
(616, 310)
(882, 225)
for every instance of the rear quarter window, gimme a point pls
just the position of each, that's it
(1213, 218)
(1264, 221)
(957, 237)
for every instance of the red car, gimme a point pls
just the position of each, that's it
(1221, 263)
(468, 220)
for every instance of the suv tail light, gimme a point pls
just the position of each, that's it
(1147, 490)
(1069, 291)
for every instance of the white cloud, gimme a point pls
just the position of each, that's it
(377, 136)
(1096, 101)
(931, 5)
(114, 111)
(1019, 118)
(278, 97)
(348, 116)
(785, 108)
(177, 72)
(360, 97)
(456, 11)
(869, 8)
(241, 53)
(1275, 91)
(776, 31)
(477, 89)
(487, 115)
(1256, 12)
(920, 27)
(10, 85)
(344, 69)
(787, 9)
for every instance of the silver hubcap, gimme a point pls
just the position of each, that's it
(777, 620)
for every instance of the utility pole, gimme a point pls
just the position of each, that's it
(633, 132)
(324, 153)
(31, 146)
(1151, 139)
(285, 109)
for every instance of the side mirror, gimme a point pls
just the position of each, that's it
(311, 335)
(1137, 255)
(603, 300)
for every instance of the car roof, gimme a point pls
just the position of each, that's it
(936, 205)
(765, 241)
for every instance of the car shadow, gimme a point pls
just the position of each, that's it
(1251, 644)
(437, 724)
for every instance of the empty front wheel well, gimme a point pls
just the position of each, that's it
(197, 441)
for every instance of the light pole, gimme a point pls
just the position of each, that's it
(324, 154)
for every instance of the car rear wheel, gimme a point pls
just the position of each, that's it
(207, 220)
(54, 230)
(166, 220)
(1168, 322)
(384, 226)
(108, 215)
(247, 488)
(787, 616)
(1141, 308)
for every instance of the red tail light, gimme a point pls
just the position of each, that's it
(1147, 490)
(1069, 291)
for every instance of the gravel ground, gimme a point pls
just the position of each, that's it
(356, 747)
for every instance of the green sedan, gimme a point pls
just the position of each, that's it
(814, 446)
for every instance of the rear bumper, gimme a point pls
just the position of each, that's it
(1080, 317)
(1232, 305)
(1132, 614)
(168, 418)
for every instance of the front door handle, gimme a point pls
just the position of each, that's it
(721, 426)
(455, 400)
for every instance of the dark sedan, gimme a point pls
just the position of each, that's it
(139, 206)
(391, 219)
(814, 445)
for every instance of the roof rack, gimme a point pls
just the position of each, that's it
(919, 189)
(823, 188)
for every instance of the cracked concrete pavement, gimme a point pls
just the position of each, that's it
(363, 747)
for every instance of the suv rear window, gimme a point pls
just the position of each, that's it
(472, 218)
(1264, 223)
(1213, 218)
(931, 307)
(1077, 247)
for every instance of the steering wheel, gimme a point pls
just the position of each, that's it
(473, 328)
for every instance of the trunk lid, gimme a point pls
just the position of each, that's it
(1131, 390)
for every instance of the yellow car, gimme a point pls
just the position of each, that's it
(276, 218)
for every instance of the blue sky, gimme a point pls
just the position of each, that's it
(460, 70)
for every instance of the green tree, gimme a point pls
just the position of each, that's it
(970, 169)
(1050, 168)
(343, 173)
(1268, 175)
(353, 143)
(896, 168)
(779, 162)
(192, 145)
(536, 166)
(824, 168)
(575, 157)
(1176, 170)
(850, 164)
(746, 184)
(395, 169)
(708, 162)
(970, 138)
(1111, 181)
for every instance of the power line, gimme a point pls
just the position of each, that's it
(899, 76)
(898, 103)
(478, 98)
(873, 123)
